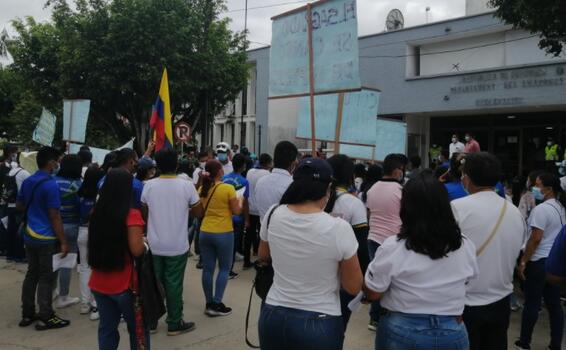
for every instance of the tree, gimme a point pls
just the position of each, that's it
(114, 52)
(546, 17)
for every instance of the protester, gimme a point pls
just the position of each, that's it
(69, 181)
(40, 201)
(15, 250)
(202, 159)
(313, 255)
(115, 237)
(414, 167)
(453, 180)
(359, 176)
(217, 235)
(223, 156)
(373, 175)
(497, 229)
(127, 159)
(528, 202)
(168, 201)
(87, 194)
(350, 208)
(546, 222)
(86, 159)
(420, 275)
(8, 156)
(251, 238)
(472, 146)
(455, 146)
(270, 188)
(384, 203)
(240, 222)
(146, 169)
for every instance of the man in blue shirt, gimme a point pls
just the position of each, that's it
(556, 261)
(39, 199)
(240, 183)
(127, 158)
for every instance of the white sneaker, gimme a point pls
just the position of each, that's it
(66, 301)
(239, 257)
(85, 308)
(94, 315)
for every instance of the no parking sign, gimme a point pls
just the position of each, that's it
(182, 132)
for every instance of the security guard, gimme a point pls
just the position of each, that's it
(551, 151)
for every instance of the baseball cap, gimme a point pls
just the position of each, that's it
(146, 163)
(315, 169)
(222, 147)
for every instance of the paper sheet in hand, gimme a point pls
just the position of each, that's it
(240, 192)
(70, 261)
(356, 304)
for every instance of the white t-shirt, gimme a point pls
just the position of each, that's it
(414, 283)
(457, 147)
(270, 189)
(477, 215)
(253, 177)
(550, 217)
(306, 250)
(21, 174)
(169, 199)
(228, 168)
(351, 209)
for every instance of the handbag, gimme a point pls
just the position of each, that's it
(151, 291)
(261, 284)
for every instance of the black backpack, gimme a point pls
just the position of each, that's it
(10, 188)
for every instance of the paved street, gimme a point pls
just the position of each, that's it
(217, 333)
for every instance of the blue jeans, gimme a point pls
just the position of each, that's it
(216, 247)
(398, 331)
(111, 308)
(282, 328)
(536, 288)
(375, 306)
(72, 234)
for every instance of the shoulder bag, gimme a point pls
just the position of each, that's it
(494, 231)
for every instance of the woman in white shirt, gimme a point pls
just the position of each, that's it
(312, 254)
(420, 275)
(546, 221)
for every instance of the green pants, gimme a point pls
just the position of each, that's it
(171, 271)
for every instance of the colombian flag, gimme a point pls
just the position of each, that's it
(161, 117)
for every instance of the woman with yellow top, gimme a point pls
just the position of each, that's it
(217, 235)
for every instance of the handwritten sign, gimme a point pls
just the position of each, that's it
(359, 117)
(75, 118)
(335, 50)
(391, 138)
(45, 129)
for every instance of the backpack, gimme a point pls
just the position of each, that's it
(10, 189)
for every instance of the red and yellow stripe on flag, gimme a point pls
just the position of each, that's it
(161, 122)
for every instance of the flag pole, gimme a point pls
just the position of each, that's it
(311, 79)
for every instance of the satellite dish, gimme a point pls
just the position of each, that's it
(394, 20)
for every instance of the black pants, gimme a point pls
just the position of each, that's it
(487, 325)
(251, 239)
(40, 278)
(15, 247)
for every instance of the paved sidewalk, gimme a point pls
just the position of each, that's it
(217, 333)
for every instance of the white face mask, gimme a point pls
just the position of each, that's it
(201, 165)
(468, 138)
(454, 140)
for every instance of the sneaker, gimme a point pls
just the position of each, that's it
(209, 310)
(66, 301)
(239, 257)
(26, 321)
(199, 265)
(222, 310)
(85, 308)
(519, 345)
(182, 327)
(233, 275)
(94, 315)
(372, 325)
(53, 322)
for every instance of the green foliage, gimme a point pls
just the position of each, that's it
(546, 17)
(114, 52)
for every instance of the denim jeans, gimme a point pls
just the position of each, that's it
(282, 328)
(111, 308)
(536, 288)
(398, 331)
(216, 247)
(71, 234)
(375, 308)
(39, 278)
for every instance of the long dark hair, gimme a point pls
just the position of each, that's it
(373, 175)
(213, 168)
(551, 180)
(429, 226)
(89, 188)
(518, 186)
(107, 231)
(343, 168)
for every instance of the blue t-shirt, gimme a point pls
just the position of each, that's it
(137, 189)
(46, 196)
(68, 189)
(455, 190)
(500, 189)
(556, 261)
(86, 206)
(239, 182)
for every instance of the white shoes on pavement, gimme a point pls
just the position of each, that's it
(65, 301)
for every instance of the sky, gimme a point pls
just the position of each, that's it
(371, 14)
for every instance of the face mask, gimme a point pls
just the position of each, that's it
(562, 171)
(222, 157)
(454, 140)
(538, 193)
(56, 169)
(468, 138)
(201, 165)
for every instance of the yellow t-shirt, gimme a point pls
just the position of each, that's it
(218, 216)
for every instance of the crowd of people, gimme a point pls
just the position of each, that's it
(441, 256)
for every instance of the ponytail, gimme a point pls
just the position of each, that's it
(208, 176)
(332, 200)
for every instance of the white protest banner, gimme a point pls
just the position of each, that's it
(45, 129)
(75, 118)
(98, 154)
